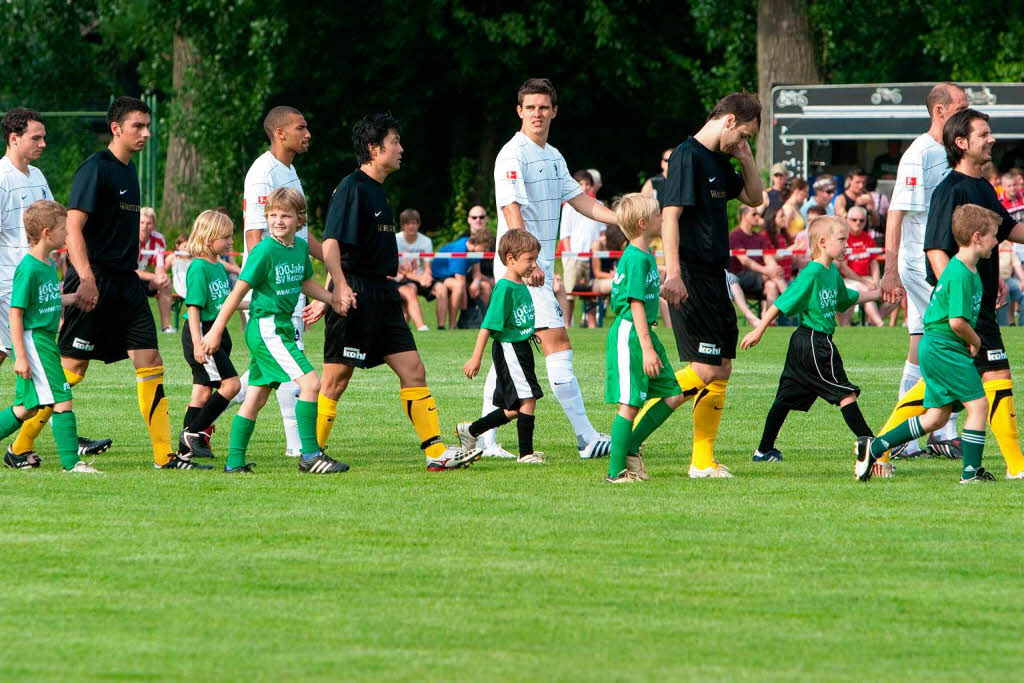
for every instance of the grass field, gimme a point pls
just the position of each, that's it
(502, 572)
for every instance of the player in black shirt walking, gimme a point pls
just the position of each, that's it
(366, 327)
(695, 235)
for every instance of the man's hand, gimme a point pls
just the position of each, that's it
(88, 295)
(536, 278)
(674, 291)
(160, 279)
(892, 288)
(21, 368)
(652, 364)
(313, 311)
(342, 298)
(1001, 293)
(742, 151)
(472, 367)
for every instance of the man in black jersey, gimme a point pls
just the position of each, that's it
(365, 326)
(695, 235)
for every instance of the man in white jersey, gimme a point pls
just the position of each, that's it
(289, 137)
(921, 169)
(531, 180)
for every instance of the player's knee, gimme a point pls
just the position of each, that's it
(24, 413)
(847, 400)
(334, 384)
(674, 402)
(230, 387)
(511, 414)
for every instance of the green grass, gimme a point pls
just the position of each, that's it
(790, 571)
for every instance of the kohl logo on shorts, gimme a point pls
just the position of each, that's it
(289, 272)
(709, 349)
(354, 353)
(997, 354)
(82, 344)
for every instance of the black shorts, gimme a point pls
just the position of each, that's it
(218, 367)
(516, 377)
(814, 369)
(992, 354)
(751, 283)
(373, 330)
(705, 325)
(120, 322)
(426, 291)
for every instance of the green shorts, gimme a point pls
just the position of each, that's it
(274, 357)
(950, 376)
(624, 360)
(47, 385)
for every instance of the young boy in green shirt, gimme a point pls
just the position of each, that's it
(813, 366)
(637, 366)
(510, 320)
(36, 304)
(947, 347)
(277, 271)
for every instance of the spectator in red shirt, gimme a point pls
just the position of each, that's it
(1013, 194)
(759, 276)
(152, 246)
(860, 269)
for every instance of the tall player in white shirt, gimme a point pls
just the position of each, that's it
(20, 185)
(289, 137)
(921, 169)
(531, 180)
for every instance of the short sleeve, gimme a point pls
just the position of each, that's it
(494, 319)
(85, 186)
(939, 231)
(679, 186)
(794, 299)
(21, 293)
(958, 302)
(308, 273)
(255, 268)
(847, 298)
(197, 286)
(342, 222)
(510, 181)
(254, 199)
(636, 277)
(565, 222)
(908, 192)
(734, 183)
(570, 188)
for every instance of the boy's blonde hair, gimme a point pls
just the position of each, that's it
(633, 208)
(823, 226)
(971, 218)
(287, 198)
(42, 215)
(210, 225)
(516, 242)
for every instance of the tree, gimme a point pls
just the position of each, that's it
(182, 168)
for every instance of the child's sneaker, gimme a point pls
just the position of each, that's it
(496, 451)
(981, 475)
(623, 477)
(466, 439)
(292, 453)
(93, 446)
(862, 466)
(244, 469)
(772, 455)
(945, 448)
(322, 464)
(535, 458)
(177, 462)
(635, 464)
(20, 461)
(716, 471)
(82, 467)
(194, 445)
(453, 458)
(882, 469)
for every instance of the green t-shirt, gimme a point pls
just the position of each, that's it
(817, 294)
(206, 286)
(276, 273)
(36, 290)
(510, 313)
(957, 294)
(636, 277)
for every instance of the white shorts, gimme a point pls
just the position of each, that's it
(5, 329)
(547, 314)
(919, 292)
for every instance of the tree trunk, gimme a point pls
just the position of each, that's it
(182, 166)
(786, 53)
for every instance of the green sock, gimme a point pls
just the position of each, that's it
(241, 432)
(973, 442)
(65, 434)
(900, 434)
(622, 430)
(651, 420)
(305, 415)
(8, 423)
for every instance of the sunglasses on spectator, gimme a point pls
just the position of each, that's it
(481, 217)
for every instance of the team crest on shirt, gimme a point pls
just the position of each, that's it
(511, 175)
(911, 182)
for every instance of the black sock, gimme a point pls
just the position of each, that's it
(855, 420)
(190, 414)
(488, 422)
(525, 428)
(209, 413)
(772, 425)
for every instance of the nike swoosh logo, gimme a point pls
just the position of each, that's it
(24, 197)
(711, 180)
(377, 213)
(123, 191)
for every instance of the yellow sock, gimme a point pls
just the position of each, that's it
(30, 429)
(1003, 419)
(419, 405)
(689, 382)
(707, 414)
(911, 405)
(149, 384)
(326, 411)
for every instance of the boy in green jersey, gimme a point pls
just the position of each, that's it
(277, 271)
(637, 366)
(948, 345)
(814, 369)
(36, 304)
(510, 320)
(214, 378)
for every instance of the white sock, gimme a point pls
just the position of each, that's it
(287, 396)
(567, 391)
(911, 376)
(488, 438)
(947, 432)
(244, 379)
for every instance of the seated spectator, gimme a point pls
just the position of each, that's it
(739, 299)
(824, 191)
(760, 277)
(576, 234)
(860, 270)
(779, 239)
(415, 278)
(450, 274)
(481, 273)
(792, 220)
(602, 270)
(1011, 274)
(1013, 193)
(856, 194)
(151, 255)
